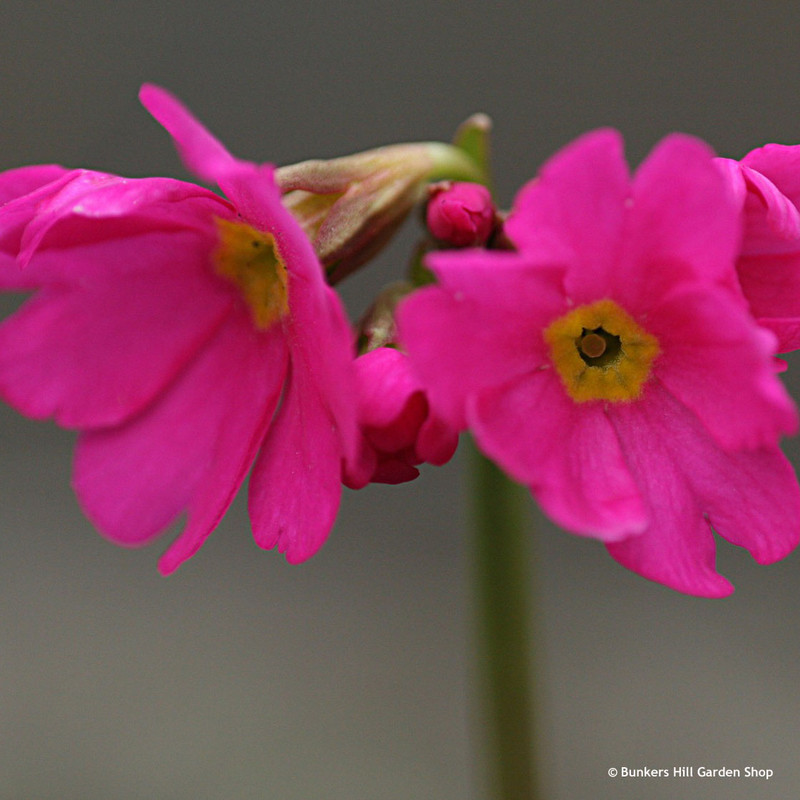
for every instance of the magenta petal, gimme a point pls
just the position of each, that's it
(786, 332)
(93, 355)
(769, 267)
(770, 214)
(568, 455)
(190, 450)
(718, 363)
(85, 253)
(385, 383)
(678, 549)
(93, 206)
(17, 212)
(295, 486)
(771, 282)
(319, 333)
(202, 153)
(487, 275)
(15, 183)
(750, 497)
(684, 223)
(682, 206)
(357, 471)
(437, 441)
(574, 211)
(320, 336)
(756, 504)
(780, 165)
(458, 344)
(394, 471)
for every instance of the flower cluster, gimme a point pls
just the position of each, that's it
(610, 342)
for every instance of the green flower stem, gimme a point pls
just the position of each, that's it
(502, 576)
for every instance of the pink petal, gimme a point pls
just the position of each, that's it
(770, 214)
(786, 332)
(385, 382)
(70, 216)
(756, 504)
(731, 172)
(401, 432)
(437, 441)
(678, 548)
(567, 453)
(190, 450)
(202, 153)
(94, 352)
(318, 331)
(573, 212)
(394, 471)
(684, 223)
(15, 183)
(750, 497)
(320, 336)
(780, 165)
(512, 283)
(771, 282)
(769, 266)
(17, 212)
(357, 472)
(295, 486)
(461, 340)
(718, 363)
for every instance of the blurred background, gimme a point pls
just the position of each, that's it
(242, 677)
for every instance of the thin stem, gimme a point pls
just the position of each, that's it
(502, 576)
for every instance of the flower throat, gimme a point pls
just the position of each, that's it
(601, 353)
(249, 259)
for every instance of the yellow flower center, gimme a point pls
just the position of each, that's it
(601, 352)
(250, 259)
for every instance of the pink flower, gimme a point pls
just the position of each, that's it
(461, 214)
(611, 367)
(399, 432)
(767, 185)
(187, 337)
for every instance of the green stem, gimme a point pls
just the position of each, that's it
(502, 573)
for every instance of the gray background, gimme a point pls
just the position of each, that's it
(349, 677)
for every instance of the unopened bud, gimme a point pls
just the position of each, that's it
(351, 206)
(461, 214)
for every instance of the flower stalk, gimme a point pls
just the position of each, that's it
(503, 592)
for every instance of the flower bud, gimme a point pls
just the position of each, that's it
(398, 429)
(461, 214)
(350, 207)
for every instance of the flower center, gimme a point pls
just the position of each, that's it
(249, 258)
(601, 353)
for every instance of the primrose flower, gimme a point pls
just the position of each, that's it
(767, 185)
(188, 337)
(399, 431)
(612, 366)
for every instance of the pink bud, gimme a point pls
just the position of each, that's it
(461, 214)
(398, 429)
